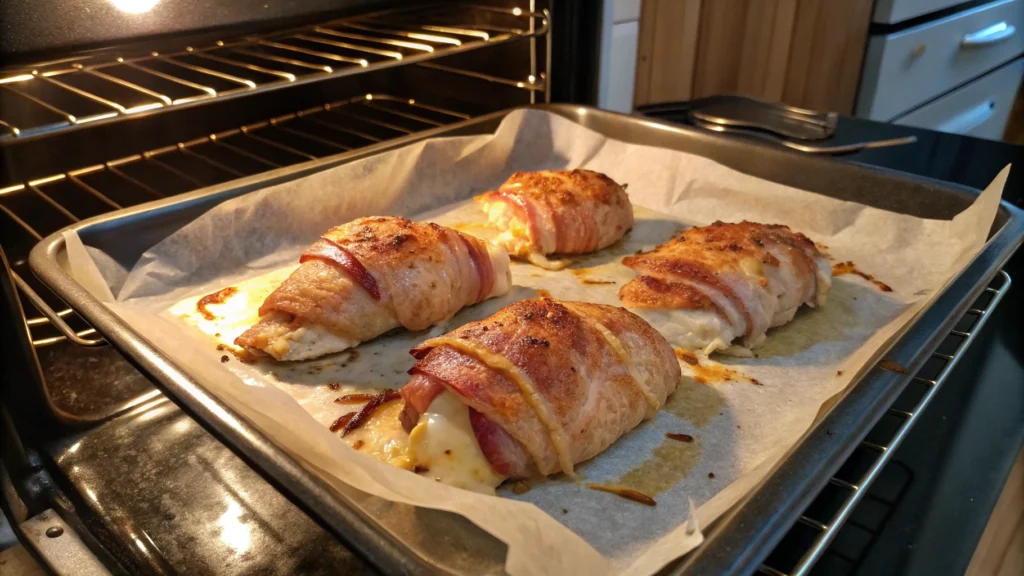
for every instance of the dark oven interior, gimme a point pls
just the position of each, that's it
(87, 132)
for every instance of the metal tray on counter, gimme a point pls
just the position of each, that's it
(402, 539)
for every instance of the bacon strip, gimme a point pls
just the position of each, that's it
(329, 251)
(482, 264)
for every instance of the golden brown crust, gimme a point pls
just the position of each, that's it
(649, 292)
(585, 210)
(729, 258)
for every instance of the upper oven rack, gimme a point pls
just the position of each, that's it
(284, 140)
(116, 84)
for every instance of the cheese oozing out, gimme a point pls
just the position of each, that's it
(443, 443)
(514, 235)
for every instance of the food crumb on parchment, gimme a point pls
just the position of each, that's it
(334, 386)
(224, 358)
(680, 437)
(839, 373)
(521, 487)
(711, 475)
(892, 367)
(221, 347)
(627, 493)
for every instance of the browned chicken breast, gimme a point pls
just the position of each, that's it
(535, 389)
(557, 212)
(369, 276)
(715, 284)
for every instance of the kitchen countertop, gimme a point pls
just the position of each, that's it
(945, 478)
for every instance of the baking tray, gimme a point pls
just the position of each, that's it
(425, 541)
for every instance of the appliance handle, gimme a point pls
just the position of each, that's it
(55, 318)
(987, 36)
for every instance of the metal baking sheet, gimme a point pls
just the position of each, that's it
(462, 548)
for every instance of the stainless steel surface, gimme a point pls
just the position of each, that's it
(989, 35)
(828, 529)
(776, 118)
(60, 547)
(121, 83)
(187, 504)
(406, 541)
(808, 148)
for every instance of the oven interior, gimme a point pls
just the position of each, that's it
(88, 133)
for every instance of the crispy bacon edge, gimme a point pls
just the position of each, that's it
(333, 253)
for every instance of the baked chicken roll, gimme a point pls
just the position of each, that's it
(369, 276)
(557, 212)
(715, 284)
(535, 389)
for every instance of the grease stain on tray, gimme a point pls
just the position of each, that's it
(841, 316)
(669, 463)
(706, 371)
(696, 403)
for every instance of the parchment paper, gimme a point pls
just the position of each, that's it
(558, 527)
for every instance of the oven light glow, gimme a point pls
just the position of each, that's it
(517, 11)
(233, 531)
(134, 6)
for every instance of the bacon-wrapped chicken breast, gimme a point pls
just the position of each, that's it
(557, 212)
(727, 282)
(369, 276)
(535, 389)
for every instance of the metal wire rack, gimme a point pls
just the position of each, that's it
(822, 522)
(70, 93)
(31, 210)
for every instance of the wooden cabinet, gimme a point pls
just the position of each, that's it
(806, 53)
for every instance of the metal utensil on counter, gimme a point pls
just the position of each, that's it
(808, 148)
(782, 119)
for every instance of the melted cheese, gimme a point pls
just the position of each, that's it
(514, 235)
(443, 445)
(383, 438)
(559, 439)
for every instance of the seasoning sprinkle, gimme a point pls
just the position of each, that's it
(680, 437)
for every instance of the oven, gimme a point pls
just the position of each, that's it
(110, 104)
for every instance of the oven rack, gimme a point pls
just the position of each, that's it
(70, 93)
(823, 521)
(280, 141)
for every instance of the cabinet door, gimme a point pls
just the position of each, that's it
(979, 109)
(618, 96)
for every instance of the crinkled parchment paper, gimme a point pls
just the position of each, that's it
(558, 527)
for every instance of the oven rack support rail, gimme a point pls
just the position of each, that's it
(67, 94)
(329, 127)
(960, 340)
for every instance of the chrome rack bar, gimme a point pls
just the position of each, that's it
(55, 319)
(315, 115)
(828, 531)
(425, 32)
